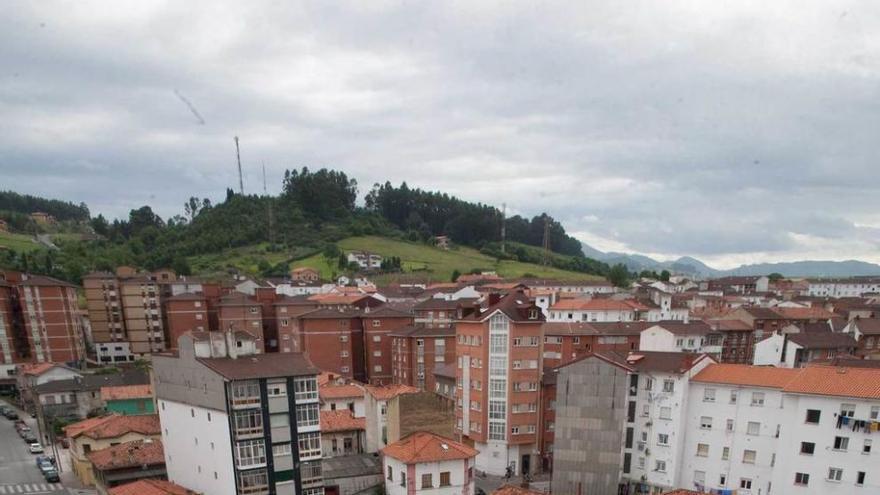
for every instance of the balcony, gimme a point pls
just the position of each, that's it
(245, 433)
(245, 402)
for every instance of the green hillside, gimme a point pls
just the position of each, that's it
(18, 242)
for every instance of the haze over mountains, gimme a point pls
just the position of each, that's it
(692, 266)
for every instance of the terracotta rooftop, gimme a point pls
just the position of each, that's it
(515, 305)
(128, 454)
(422, 446)
(37, 369)
(385, 392)
(151, 487)
(114, 425)
(338, 299)
(868, 326)
(515, 490)
(333, 391)
(341, 420)
(597, 328)
(727, 325)
(124, 392)
(413, 331)
(804, 313)
(746, 375)
(593, 304)
(863, 383)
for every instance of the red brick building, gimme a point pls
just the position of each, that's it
(287, 309)
(418, 351)
(333, 340)
(377, 326)
(239, 311)
(566, 341)
(186, 312)
(499, 368)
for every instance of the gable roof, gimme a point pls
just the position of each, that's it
(594, 328)
(94, 382)
(151, 487)
(863, 383)
(515, 305)
(341, 420)
(746, 375)
(129, 454)
(594, 304)
(422, 446)
(271, 365)
(347, 391)
(822, 340)
(414, 331)
(695, 327)
(124, 392)
(661, 362)
(811, 313)
(385, 392)
(515, 490)
(868, 326)
(114, 425)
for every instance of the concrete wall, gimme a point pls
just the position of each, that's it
(590, 413)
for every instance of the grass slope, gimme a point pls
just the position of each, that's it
(438, 264)
(18, 242)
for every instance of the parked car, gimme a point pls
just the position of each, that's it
(23, 430)
(10, 414)
(35, 448)
(44, 464)
(3, 410)
(29, 439)
(51, 476)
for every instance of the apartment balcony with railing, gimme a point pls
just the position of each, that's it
(245, 395)
(312, 474)
(254, 482)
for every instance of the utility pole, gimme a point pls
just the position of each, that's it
(546, 260)
(503, 227)
(238, 157)
(269, 199)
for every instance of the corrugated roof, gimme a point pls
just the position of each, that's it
(423, 446)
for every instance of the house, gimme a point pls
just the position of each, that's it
(365, 260)
(342, 433)
(343, 396)
(441, 241)
(592, 310)
(425, 462)
(128, 399)
(676, 336)
(151, 487)
(795, 350)
(383, 414)
(304, 274)
(867, 333)
(32, 375)
(99, 433)
(42, 218)
(739, 285)
(127, 462)
(228, 409)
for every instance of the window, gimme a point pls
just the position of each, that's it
(660, 466)
(649, 383)
(248, 422)
(731, 425)
(745, 483)
(725, 454)
(841, 443)
(343, 353)
(307, 415)
(705, 423)
(377, 323)
(662, 439)
(444, 478)
(808, 448)
(749, 456)
(702, 450)
(866, 448)
(668, 386)
(250, 453)
(722, 480)
(733, 394)
(343, 338)
(426, 481)
(835, 474)
(665, 413)
(848, 410)
(758, 399)
(754, 428)
(377, 353)
(860, 478)
(813, 416)
(276, 389)
(802, 479)
(305, 389)
(709, 395)
(377, 368)
(309, 444)
(390, 475)
(402, 478)
(281, 449)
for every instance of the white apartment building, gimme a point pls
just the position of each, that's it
(845, 287)
(423, 462)
(592, 310)
(235, 421)
(676, 336)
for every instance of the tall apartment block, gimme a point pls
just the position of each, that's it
(39, 320)
(499, 366)
(418, 351)
(236, 421)
(142, 308)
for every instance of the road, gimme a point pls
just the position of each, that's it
(18, 468)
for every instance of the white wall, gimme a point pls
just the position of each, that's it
(342, 405)
(457, 473)
(184, 457)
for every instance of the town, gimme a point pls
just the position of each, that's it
(167, 384)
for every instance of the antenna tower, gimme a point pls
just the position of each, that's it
(546, 257)
(503, 226)
(266, 193)
(238, 157)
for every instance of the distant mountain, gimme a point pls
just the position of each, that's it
(687, 265)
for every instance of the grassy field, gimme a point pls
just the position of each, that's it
(246, 259)
(18, 242)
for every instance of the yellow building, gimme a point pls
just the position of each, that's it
(100, 433)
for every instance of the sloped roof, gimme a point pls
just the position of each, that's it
(276, 364)
(868, 326)
(423, 446)
(515, 305)
(727, 325)
(863, 383)
(822, 340)
(695, 327)
(128, 454)
(44, 281)
(124, 392)
(347, 391)
(94, 382)
(114, 425)
(515, 490)
(341, 420)
(594, 328)
(330, 313)
(386, 312)
(413, 331)
(811, 313)
(594, 304)
(746, 375)
(385, 392)
(151, 487)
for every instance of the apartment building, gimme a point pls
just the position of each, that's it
(378, 324)
(186, 312)
(645, 394)
(866, 331)
(142, 307)
(416, 351)
(593, 310)
(677, 336)
(738, 343)
(566, 341)
(795, 350)
(844, 287)
(236, 420)
(333, 340)
(440, 312)
(11, 345)
(499, 366)
(103, 302)
(46, 323)
(242, 312)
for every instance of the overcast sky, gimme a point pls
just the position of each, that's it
(738, 134)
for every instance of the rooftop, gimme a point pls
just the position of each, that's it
(94, 382)
(746, 375)
(868, 326)
(515, 305)
(822, 340)
(341, 420)
(151, 487)
(124, 392)
(413, 331)
(114, 425)
(385, 392)
(347, 391)
(515, 490)
(422, 446)
(276, 364)
(128, 454)
(445, 370)
(593, 304)
(590, 328)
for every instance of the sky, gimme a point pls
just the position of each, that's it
(736, 133)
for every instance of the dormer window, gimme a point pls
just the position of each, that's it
(533, 314)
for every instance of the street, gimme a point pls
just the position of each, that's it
(18, 469)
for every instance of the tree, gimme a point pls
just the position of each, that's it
(455, 275)
(775, 277)
(619, 275)
(664, 276)
(100, 225)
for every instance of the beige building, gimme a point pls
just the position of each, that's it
(95, 434)
(143, 314)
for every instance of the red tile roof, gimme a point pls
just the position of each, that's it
(114, 425)
(385, 392)
(744, 374)
(123, 392)
(333, 391)
(341, 420)
(682, 491)
(515, 490)
(423, 446)
(151, 487)
(128, 454)
(37, 369)
(594, 304)
(863, 383)
(812, 313)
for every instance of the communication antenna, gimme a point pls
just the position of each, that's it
(238, 157)
(265, 192)
(503, 226)
(546, 260)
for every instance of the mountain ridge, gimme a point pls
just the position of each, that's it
(688, 265)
